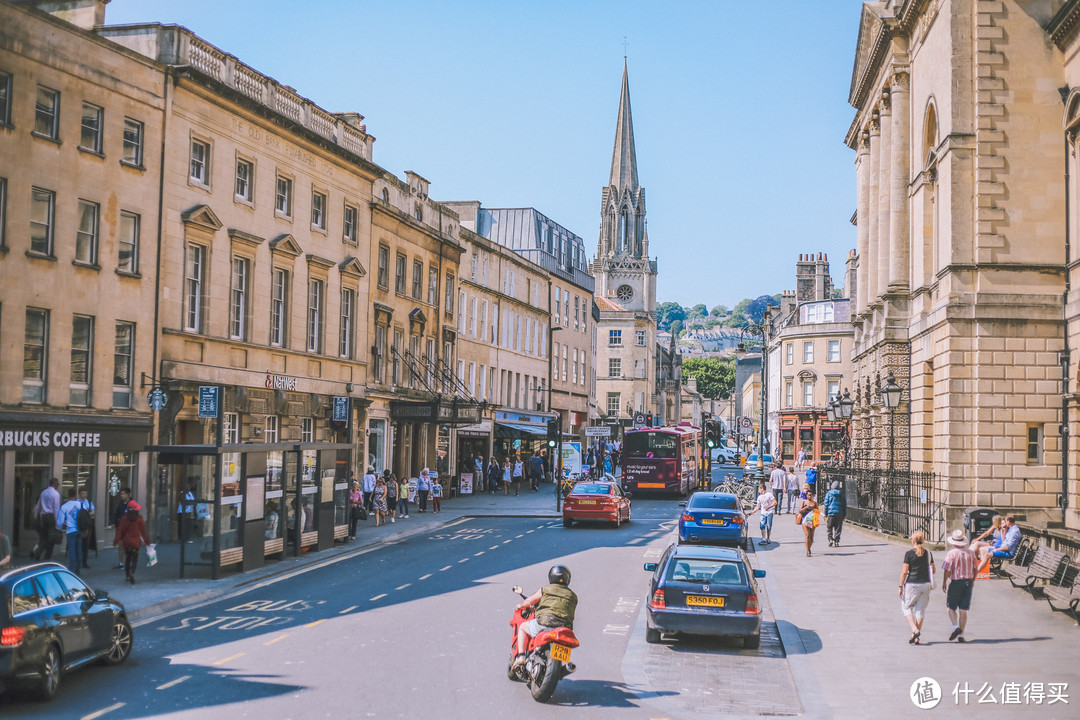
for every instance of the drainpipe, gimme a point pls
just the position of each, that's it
(1065, 316)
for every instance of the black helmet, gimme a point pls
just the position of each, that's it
(559, 575)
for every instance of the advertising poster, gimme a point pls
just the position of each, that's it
(465, 485)
(571, 457)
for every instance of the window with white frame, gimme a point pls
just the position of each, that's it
(484, 321)
(834, 351)
(558, 306)
(199, 172)
(316, 301)
(279, 306)
(283, 196)
(91, 125)
(449, 294)
(399, 346)
(577, 311)
(123, 364)
(808, 351)
(307, 429)
(3, 210)
(348, 225)
(82, 355)
(475, 263)
(230, 427)
(194, 279)
(238, 298)
(789, 394)
(614, 367)
(380, 353)
(808, 394)
(640, 338)
(245, 173)
(462, 316)
(614, 338)
(318, 210)
(133, 143)
(128, 243)
(613, 403)
(35, 355)
(42, 209)
(574, 375)
(47, 112)
(833, 388)
(345, 328)
(432, 284)
(565, 364)
(270, 429)
(789, 353)
(5, 98)
(86, 236)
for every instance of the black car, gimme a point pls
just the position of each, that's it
(704, 590)
(51, 622)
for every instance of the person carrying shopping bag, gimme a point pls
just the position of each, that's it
(131, 532)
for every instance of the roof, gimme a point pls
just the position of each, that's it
(624, 157)
(676, 429)
(708, 552)
(604, 304)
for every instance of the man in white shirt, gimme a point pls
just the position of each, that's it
(766, 503)
(367, 486)
(777, 479)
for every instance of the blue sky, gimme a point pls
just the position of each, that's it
(740, 110)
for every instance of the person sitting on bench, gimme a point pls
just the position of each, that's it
(1004, 546)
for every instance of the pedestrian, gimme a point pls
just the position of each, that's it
(811, 478)
(356, 505)
(957, 581)
(67, 521)
(916, 582)
(436, 495)
(536, 472)
(808, 518)
(478, 472)
(117, 516)
(800, 459)
(391, 496)
(45, 511)
(766, 503)
(367, 485)
(494, 475)
(980, 544)
(272, 520)
(378, 501)
(835, 511)
(792, 489)
(403, 497)
(507, 475)
(1004, 546)
(777, 478)
(185, 511)
(423, 489)
(89, 538)
(130, 533)
(518, 474)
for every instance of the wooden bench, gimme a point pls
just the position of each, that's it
(1066, 594)
(232, 556)
(1022, 557)
(309, 538)
(273, 547)
(1046, 565)
(341, 532)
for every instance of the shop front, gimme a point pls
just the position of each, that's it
(422, 436)
(519, 433)
(99, 454)
(472, 441)
(807, 432)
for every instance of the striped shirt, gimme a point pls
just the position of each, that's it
(960, 564)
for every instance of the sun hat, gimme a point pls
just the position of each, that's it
(835, 485)
(958, 538)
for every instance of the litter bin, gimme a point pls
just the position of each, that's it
(977, 520)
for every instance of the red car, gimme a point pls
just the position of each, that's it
(596, 501)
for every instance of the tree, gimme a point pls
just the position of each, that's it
(698, 311)
(668, 312)
(719, 311)
(715, 377)
(676, 327)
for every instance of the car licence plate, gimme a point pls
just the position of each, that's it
(714, 522)
(560, 652)
(586, 502)
(705, 600)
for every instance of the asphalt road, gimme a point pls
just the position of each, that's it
(417, 628)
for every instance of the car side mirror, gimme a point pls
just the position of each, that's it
(650, 567)
(759, 573)
(628, 495)
(101, 596)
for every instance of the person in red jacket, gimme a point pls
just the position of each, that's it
(131, 532)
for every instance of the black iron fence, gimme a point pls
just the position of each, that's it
(893, 501)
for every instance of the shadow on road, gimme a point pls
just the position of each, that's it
(600, 693)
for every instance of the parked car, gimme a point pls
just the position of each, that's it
(597, 501)
(51, 622)
(703, 590)
(751, 460)
(713, 517)
(725, 455)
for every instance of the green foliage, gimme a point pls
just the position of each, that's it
(715, 377)
(676, 327)
(698, 311)
(668, 312)
(719, 311)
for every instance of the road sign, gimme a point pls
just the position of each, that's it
(746, 426)
(157, 399)
(209, 401)
(639, 420)
(597, 431)
(341, 409)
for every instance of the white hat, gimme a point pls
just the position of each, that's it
(958, 538)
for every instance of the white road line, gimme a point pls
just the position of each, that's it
(222, 661)
(279, 638)
(173, 683)
(101, 712)
(506, 541)
(463, 560)
(377, 597)
(456, 522)
(528, 531)
(348, 609)
(402, 587)
(493, 547)
(445, 568)
(425, 577)
(478, 554)
(519, 536)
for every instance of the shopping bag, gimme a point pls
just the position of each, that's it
(151, 555)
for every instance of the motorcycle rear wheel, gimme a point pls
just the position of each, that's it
(544, 688)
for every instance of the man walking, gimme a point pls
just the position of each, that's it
(89, 539)
(836, 511)
(957, 579)
(48, 505)
(778, 478)
(478, 472)
(536, 468)
(766, 503)
(423, 489)
(800, 459)
(367, 486)
(67, 520)
(117, 516)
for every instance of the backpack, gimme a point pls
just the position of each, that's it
(84, 522)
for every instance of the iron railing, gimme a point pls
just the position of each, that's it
(892, 501)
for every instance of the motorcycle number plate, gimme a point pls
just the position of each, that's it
(560, 652)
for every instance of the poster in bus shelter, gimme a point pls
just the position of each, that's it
(465, 484)
(571, 457)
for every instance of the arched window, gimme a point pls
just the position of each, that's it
(930, 132)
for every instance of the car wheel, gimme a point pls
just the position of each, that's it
(120, 642)
(49, 684)
(618, 519)
(652, 635)
(629, 510)
(752, 642)
(567, 522)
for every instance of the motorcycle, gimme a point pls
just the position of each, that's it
(547, 657)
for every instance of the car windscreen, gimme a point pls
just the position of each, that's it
(651, 445)
(711, 572)
(583, 489)
(729, 502)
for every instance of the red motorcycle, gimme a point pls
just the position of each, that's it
(547, 657)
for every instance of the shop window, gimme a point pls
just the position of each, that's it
(120, 474)
(79, 473)
(376, 445)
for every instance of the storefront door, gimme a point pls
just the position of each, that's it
(31, 476)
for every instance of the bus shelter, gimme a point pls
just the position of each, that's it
(243, 503)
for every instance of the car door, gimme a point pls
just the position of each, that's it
(65, 618)
(95, 617)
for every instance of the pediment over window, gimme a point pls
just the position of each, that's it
(416, 315)
(351, 266)
(807, 375)
(202, 216)
(286, 245)
(245, 238)
(319, 261)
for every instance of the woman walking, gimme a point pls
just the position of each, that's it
(131, 532)
(356, 503)
(806, 516)
(508, 473)
(402, 497)
(391, 495)
(518, 474)
(916, 582)
(792, 484)
(378, 501)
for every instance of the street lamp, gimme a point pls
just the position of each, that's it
(890, 394)
(759, 476)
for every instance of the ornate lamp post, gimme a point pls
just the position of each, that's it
(890, 394)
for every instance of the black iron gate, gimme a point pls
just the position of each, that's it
(893, 501)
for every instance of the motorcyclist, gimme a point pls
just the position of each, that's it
(555, 606)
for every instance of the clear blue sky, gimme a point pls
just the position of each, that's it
(740, 110)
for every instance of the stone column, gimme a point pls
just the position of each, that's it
(899, 240)
(862, 217)
(868, 269)
(884, 197)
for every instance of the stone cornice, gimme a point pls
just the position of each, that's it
(1063, 27)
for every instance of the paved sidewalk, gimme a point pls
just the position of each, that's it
(846, 639)
(160, 589)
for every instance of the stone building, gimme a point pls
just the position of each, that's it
(963, 228)
(80, 143)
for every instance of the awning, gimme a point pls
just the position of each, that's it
(527, 429)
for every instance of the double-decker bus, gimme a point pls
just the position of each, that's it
(661, 459)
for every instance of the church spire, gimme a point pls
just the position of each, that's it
(624, 157)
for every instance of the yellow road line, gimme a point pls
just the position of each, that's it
(348, 609)
(173, 683)
(377, 597)
(101, 712)
(317, 622)
(225, 660)
(279, 638)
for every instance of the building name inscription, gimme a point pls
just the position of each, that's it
(44, 439)
(291, 151)
(280, 382)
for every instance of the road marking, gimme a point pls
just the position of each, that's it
(377, 597)
(225, 660)
(541, 527)
(425, 577)
(279, 638)
(348, 609)
(527, 532)
(445, 568)
(506, 541)
(635, 541)
(317, 622)
(493, 547)
(173, 683)
(616, 629)
(478, 554)
(463, 560)
(101, 712)
(456, 522)
(402, 587)
(519, 536)
(653, 552)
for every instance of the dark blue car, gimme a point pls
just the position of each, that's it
(713, 518)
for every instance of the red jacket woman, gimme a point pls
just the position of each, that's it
(131, 532)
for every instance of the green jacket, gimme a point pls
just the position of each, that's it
(556, 607)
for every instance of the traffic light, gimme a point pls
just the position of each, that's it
(553, 431)
(648, 419)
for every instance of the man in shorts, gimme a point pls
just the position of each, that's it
(957, 580)
(767, 504)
